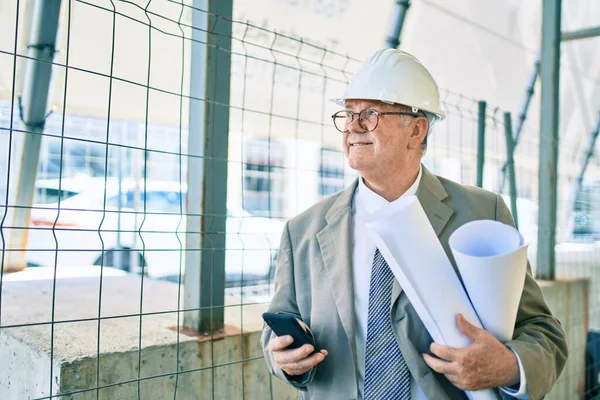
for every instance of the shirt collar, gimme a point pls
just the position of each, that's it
(371, 201)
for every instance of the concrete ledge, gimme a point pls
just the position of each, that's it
(585, 265)
(112, 344)
(568, 300)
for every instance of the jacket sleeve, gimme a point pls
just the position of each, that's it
(539, 338)
(284, 301)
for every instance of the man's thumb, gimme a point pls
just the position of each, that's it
(467, 328)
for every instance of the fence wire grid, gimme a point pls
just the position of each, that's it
(101, 302)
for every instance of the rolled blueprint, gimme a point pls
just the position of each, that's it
(407, 241)
(492, 260)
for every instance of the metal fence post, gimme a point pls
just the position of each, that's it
(207, 168)
(480, 142)
(393, 38)
(548, 165)
(510, 162)
(33, 107)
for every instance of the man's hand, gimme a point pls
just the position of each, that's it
(295, 361)
(486, 363)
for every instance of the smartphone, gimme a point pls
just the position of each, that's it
(286, 324)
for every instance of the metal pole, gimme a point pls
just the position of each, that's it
(207, 174)
(581, 34)
(548, 166)
(523, 115)
(33, 104)
(586, 160)
(510, 162)
(393, 37)
(118, 258)
(528, 95)
(480, 142)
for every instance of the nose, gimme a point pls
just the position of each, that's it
(354, 126)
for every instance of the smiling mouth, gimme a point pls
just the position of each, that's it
(360, 144)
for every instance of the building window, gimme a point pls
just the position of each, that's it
(331, 172)
(263, 179)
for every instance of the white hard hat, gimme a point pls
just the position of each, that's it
(395, 76)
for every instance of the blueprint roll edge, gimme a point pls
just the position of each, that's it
(492, 259)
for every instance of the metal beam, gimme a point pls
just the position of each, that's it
(207, 174)
(581, 34)
(523, 115)
(393, 37)
(528, 95)
(586, 160)
(548, 165)
(33, 104)
(480, 142)
(510, 162)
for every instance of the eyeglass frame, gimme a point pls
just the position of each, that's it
(413, 114)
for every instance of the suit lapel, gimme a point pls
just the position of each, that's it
(430, 194)
(335, 241)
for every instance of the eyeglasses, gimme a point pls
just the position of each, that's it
(367, 119)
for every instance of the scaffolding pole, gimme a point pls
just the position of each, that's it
(207, 173)
(393, 37)
(510, 162)
(527, 100)
(581, 34)
(586, 160)
(33, 104)
(529, 92)
(548, 163)
(565, 36)
(480, 142)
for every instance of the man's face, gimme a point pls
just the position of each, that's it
(383, 150)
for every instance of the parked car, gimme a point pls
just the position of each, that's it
(87, 229)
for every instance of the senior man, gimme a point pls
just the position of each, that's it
(333, 279)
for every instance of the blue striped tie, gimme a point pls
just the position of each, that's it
(386, 373)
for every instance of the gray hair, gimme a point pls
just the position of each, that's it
(431, 119)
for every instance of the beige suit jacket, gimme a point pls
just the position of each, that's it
(313, 281)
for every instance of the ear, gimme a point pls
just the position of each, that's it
(418, 133)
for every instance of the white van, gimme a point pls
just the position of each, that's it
(85, 230)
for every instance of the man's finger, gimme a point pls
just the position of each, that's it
(456, 381)
(467, 328)
(294, 355)
(280, 342)
(444, 352)
(300, 367)
(440, 366)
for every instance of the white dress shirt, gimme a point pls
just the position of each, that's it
(366, 202)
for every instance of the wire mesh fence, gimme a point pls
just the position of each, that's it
(99, 310)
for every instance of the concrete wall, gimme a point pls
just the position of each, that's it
(568, 300)
(239, 369)
(24, 371)
(585, 264)
(197, 380)
(25, 350)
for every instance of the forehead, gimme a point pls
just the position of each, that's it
(358, 104)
